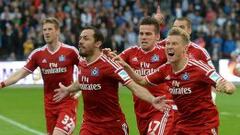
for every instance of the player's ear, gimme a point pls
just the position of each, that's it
(157, 36)
(58, 32)
(98, 43)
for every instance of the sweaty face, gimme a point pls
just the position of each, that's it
(174, 49)
(183, 25)
(50, 33)
(86, 43)
(147, 37)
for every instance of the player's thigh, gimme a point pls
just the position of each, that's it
(89, 130)
(142, 125)
(162, 123)
(66, 121)
(51, 120)
(119, 130)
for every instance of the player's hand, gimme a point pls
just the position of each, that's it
(161, 103)
(61, 93)
(159, 16)
(225, 86)
(109, 52)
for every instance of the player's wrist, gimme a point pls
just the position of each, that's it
(3, 84)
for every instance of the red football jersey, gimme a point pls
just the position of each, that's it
(145, 63)
(191, 90)
(99, 81)
(55, 67)
(194, 51)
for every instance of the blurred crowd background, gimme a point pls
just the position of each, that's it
(215, 23)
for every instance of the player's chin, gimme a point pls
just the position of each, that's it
(171, 59)
(83, 54)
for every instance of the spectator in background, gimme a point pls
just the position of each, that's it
(229, 46)
(28, 46)
(113, 13)
(216, 46)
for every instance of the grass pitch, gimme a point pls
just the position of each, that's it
(24, 106)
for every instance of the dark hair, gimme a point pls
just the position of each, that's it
(98, 36)
(51, 20)
(189, 22)
(151, 21)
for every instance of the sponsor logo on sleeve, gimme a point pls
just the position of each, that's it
(123, 74)
(215, 76)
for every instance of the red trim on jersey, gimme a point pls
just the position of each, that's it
(28, 69)
(127, 82)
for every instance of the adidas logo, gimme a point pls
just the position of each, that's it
(167, 77)
(44, 61)
(135, 59)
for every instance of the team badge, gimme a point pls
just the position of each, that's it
(61, 58)
(185, 76)
(95, 72)
(155, 58)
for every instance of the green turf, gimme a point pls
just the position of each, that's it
(25, 106)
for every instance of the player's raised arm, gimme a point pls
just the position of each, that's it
(15, 77)
(159, 103)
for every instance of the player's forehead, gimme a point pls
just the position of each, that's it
(87, 33)
(173, 38)
(180, 23)
(146, 28)
(48, 25)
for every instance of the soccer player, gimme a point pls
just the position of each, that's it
(190, 84)
(145, 58)
(56, 61)
(98, 80)
(194, 51)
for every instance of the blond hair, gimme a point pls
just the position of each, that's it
(180, 32)
(52, 20)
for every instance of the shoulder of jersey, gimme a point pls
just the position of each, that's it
(199, 48)
(161, 43)
(201, 65)
(109, 61)
(135, 47)
(69, 47)
(37, 50)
